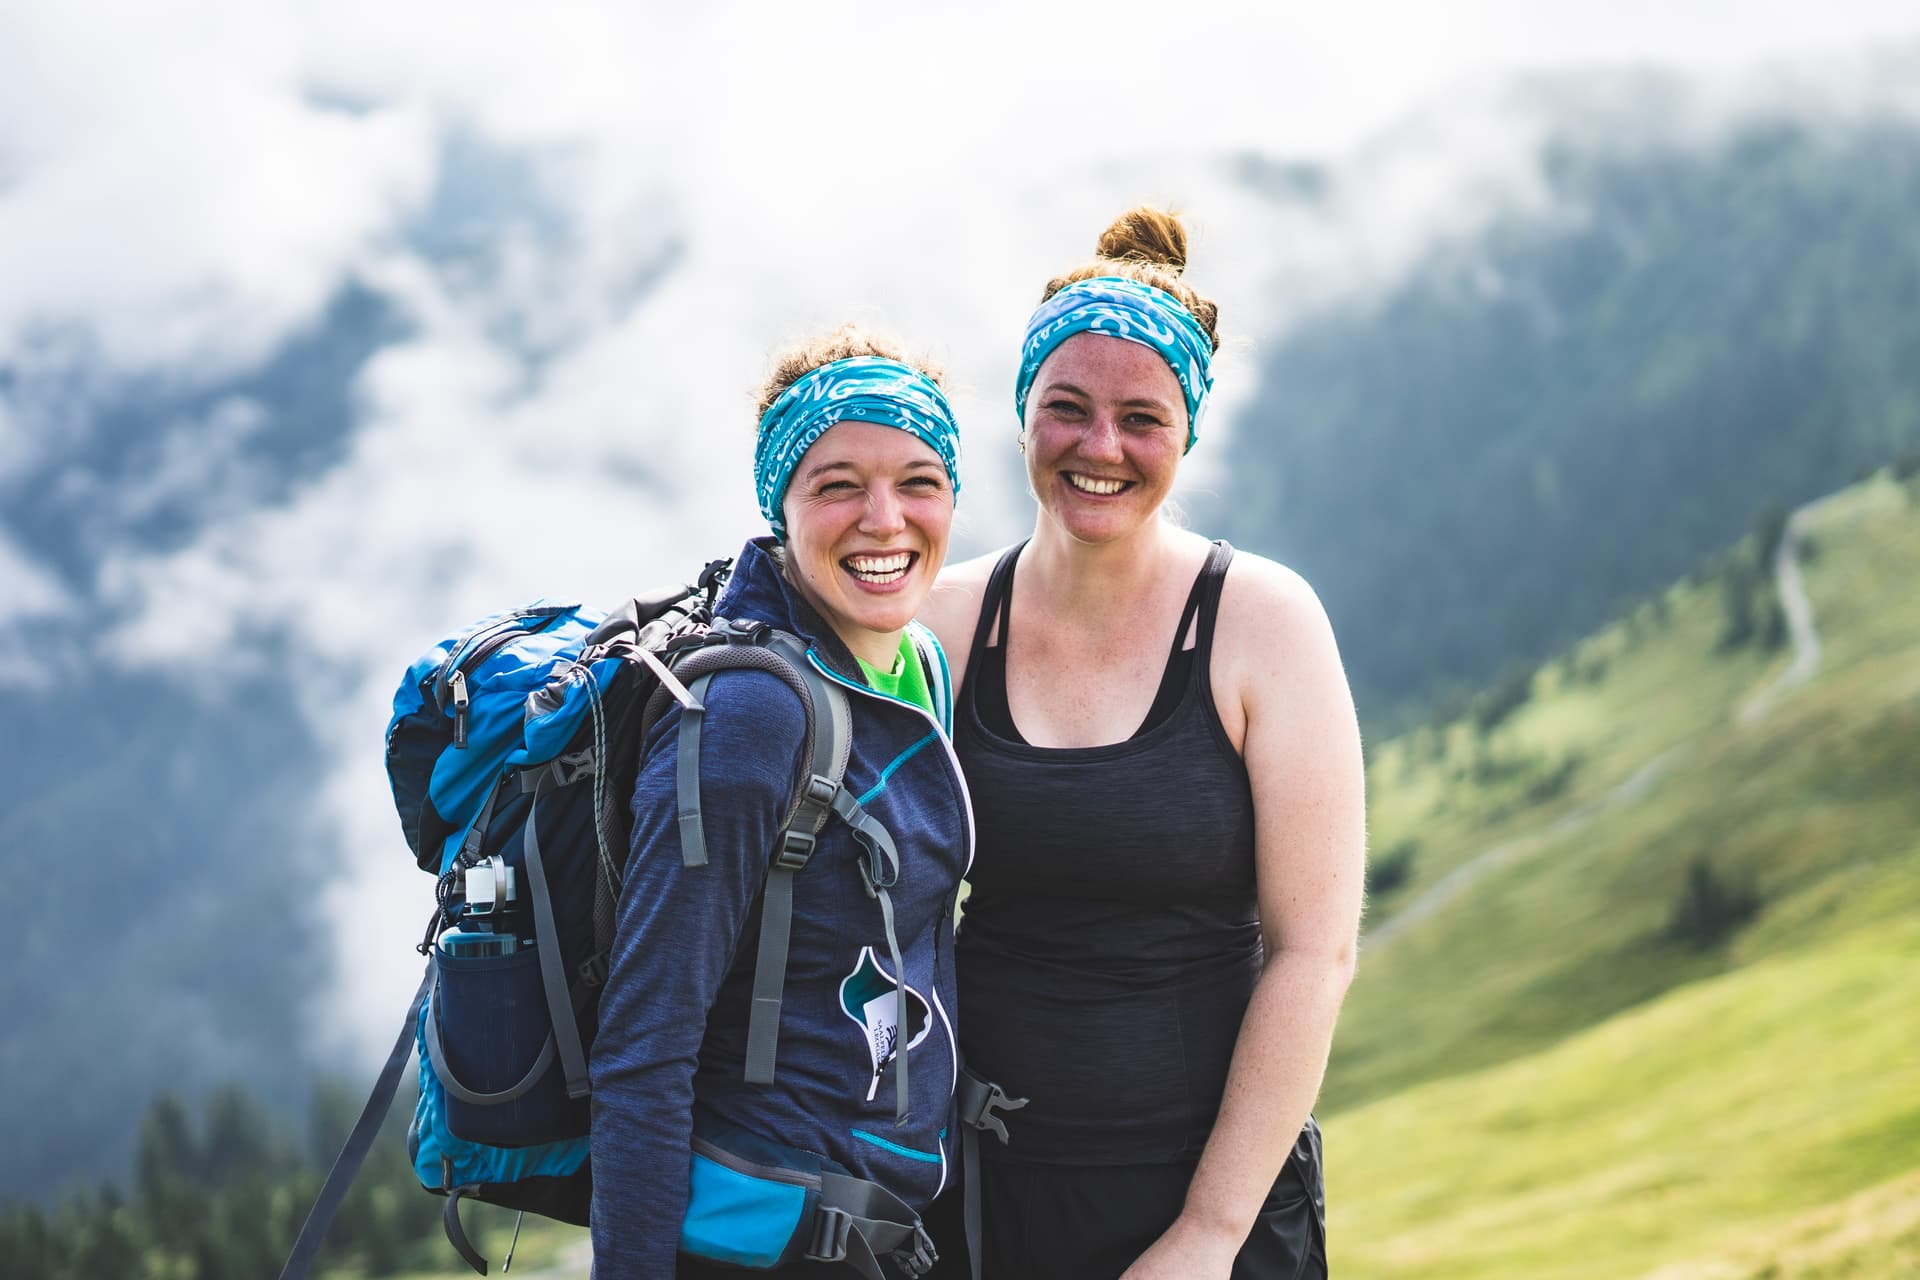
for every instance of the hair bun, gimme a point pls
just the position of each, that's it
(1146, 234)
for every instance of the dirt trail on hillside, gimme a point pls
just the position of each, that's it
(1792, 589)
(1806, 661)
(1508, 852)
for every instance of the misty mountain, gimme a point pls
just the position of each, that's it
(161, 843)
(1566, 412)
(156, 847)
(160, 903)
(149, 462)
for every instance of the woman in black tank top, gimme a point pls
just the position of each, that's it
(1166, 780)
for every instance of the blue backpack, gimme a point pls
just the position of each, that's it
(512, 753)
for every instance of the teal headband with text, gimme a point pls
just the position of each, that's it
(860, 389)
(1116, 307)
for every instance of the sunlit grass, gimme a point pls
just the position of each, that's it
(1677, 1130)
(1867, 1236)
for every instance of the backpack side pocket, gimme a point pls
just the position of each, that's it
(490, 1044)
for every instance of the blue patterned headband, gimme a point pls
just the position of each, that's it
(862, 389)
(1116, 307)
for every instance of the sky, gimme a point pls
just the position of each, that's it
(591, 224)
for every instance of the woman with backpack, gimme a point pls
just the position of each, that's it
(1169, 799)
(856, 472)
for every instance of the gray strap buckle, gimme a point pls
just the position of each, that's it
(873, 874)
(796, 848)
(821, 791)
(919, 1259)
(977, 1100)
(831, 1230)
(738, 631)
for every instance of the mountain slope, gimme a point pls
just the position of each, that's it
(1541, 1073)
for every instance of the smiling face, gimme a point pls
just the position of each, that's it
(867, 515)
(1106, 425)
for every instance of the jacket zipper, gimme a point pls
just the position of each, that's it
(739, 1164)
(966, 800)
(953, 757)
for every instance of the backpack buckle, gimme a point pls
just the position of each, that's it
(976, 1100)
(564, 770)
(738, 631)
(821, 791)
(917, 1258)
(713, 577)
(796, 847)
(831, 1230)
(875, 874)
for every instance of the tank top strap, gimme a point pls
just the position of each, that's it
(1213, 577)
(1187, 611)
(995, 603)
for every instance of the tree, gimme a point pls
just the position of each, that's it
(240, 1141)
(1709, 906)
(30, 1244)
(104, 1244)
(1393, 868)
(1507, 696)
(167, 1150)
(1768, 530)
(1738, 590)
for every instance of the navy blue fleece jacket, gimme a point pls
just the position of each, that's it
(673, 1019)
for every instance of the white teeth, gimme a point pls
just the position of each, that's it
(1087, 484)
(879, 569)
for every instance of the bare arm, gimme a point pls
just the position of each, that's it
(1301, 744)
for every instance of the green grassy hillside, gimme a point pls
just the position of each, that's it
(1538, 1073)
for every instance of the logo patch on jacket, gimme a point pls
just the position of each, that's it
(868, 996)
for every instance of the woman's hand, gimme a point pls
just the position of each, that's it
(1187, 1251)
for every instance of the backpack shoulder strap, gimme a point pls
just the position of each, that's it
(831, 743)
(697, 669)
(828, 743)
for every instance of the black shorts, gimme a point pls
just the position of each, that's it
(1090, 1223)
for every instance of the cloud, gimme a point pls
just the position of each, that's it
(173, 200)
(26, 589)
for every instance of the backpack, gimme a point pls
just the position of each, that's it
(512, 753)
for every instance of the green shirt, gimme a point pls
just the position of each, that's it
(908, 679)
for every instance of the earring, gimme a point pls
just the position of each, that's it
(1022, 440)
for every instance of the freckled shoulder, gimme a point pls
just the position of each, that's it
(1255, 583)
(952, 608)
(1273, 635)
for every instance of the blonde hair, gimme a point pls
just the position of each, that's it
(793, 363)
(1147, 245)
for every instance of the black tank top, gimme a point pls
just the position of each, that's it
(1111, 939)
